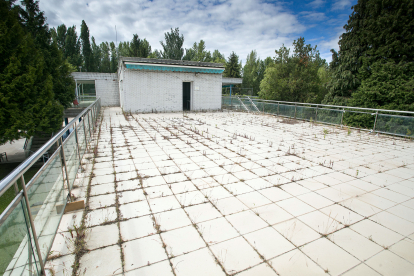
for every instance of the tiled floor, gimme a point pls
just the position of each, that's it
(241, 194)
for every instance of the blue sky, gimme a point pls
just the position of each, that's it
(234, 25)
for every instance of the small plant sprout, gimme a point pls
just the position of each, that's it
(325, 131)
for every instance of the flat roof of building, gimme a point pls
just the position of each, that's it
(171, 62)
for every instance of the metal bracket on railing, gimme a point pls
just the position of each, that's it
(253, 104)
(375, 122)
(39, 254)
(66, 168)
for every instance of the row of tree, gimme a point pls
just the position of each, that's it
(374, 66)
(83, 52)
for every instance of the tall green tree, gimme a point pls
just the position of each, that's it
(72, 50)
(114, 58)
(198, 52)
(106, 60)
(139, 47)
(253, 72)
(373, 67)
(27, 103)
(86, 47)
(232, 67)
(155, 54)
(123, 49)
(61, 36)
(218, 57)
(96, 57)
(34, 22)
(173, 45)
(294, 77)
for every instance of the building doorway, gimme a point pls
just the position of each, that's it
(186, 95)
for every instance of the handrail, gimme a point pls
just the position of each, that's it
(253, 104)
(243, 104)
(327, 105)
(12, 177)
(35, 227)
(388, 122)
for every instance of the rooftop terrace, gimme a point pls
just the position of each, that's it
(239, 194)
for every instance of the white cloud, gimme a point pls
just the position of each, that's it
(341, 4)
(316, 4)
(326, 45)
(231, 25)
(313, 16)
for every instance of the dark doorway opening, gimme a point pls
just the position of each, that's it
(186, 95)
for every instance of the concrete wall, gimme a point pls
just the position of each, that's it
(146, 91)
(106, 86)
(107, 90)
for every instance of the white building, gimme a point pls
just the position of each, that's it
(159, 85)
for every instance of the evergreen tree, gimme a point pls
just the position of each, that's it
(173, 46)
(72, 50)
(34, 23)
(96, 57)
(374, 62)
(139, 47)
(61, 36)
(106, 62)
(232, 67)
(86, 47)
(27, 103)
(114, 58)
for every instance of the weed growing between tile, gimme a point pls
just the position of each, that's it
(80, 233)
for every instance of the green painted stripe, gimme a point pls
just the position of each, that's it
(173, 69)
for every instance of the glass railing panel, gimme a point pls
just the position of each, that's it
(330, 116)
(17, 252)
(306, 113)
(72, 158)
(286, 110)
(270, 108)
(259, 105)
(236, 104)
(47, 199)
(395, 124)
(225, 102)
(360, 119)
(248, 104)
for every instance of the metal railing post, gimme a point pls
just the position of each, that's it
(295, 112)
(77, 143)
(84, 132)
(66, 168)
(277, 109)
(89, 125)
(375, 122)
(32, 226)
(342, 118)
(92, 116)
(316, 115)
